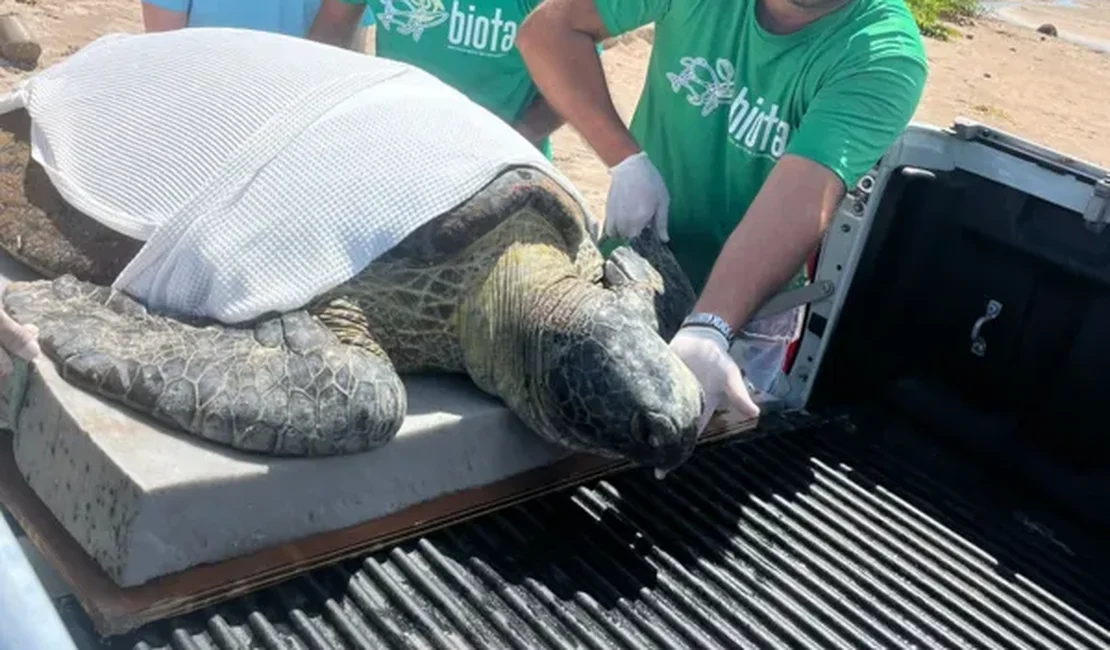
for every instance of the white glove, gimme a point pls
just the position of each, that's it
(20, 340)
(637, 197)
(705, 352)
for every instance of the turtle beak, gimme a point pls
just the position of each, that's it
(677, 459)
(669, 447)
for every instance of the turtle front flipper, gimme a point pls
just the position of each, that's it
(284, 386)
(645, 267)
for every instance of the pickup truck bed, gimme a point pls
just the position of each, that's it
(945, 485)
(850, 532)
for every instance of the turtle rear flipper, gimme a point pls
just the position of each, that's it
(283, 386)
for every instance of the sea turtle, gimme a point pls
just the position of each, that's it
(507, 287)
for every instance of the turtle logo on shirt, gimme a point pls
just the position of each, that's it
(707, 87)
(413, 16)
(754, 124)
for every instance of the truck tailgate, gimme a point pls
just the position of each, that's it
(827, 534)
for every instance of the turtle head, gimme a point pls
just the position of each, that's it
(607, 383)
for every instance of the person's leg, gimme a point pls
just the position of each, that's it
(165, 15)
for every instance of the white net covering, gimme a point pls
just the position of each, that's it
(260, 169)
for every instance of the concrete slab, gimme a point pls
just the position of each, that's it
(144, 501)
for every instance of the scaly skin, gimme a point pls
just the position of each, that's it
(507, 288)
(285, 386)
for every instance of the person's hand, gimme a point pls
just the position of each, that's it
(705, 352)
(637, 197)
(20, 340)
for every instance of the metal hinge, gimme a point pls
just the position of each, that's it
(1097, 212)
(978, 343)
(965, 129)
(796, 297)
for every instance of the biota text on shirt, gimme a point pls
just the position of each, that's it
(489, 36)
(750, 127)
(468, 44)
(751, 120)
(476, 27)
(724, 100)
(754, 124)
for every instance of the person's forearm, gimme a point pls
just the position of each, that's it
(336, 23)
(566, 67)
(157, 19)
(538, 121)
(783, 225)
(337, 35)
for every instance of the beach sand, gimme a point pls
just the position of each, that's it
(1042, 88)
(1083, 20)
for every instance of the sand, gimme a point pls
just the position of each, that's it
(1085, 21)
(1003, 74)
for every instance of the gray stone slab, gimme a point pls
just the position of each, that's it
(144, 501)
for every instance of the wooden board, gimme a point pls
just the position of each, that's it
(114, 610)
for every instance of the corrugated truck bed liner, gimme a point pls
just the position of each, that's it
(827, 536)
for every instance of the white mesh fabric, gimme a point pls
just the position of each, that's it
(261, 169)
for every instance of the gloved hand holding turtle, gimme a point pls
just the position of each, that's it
(637, 198)
(704, 350)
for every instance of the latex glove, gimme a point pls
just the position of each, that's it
(705, 353)
(20, 340)
(637, 197)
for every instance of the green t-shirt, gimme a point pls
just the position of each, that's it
(724, 99)
(468, 44)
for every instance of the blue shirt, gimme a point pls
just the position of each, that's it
(292, 17)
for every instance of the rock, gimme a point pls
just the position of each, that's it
(16, 43)
(1048, 29)
(987, 75)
